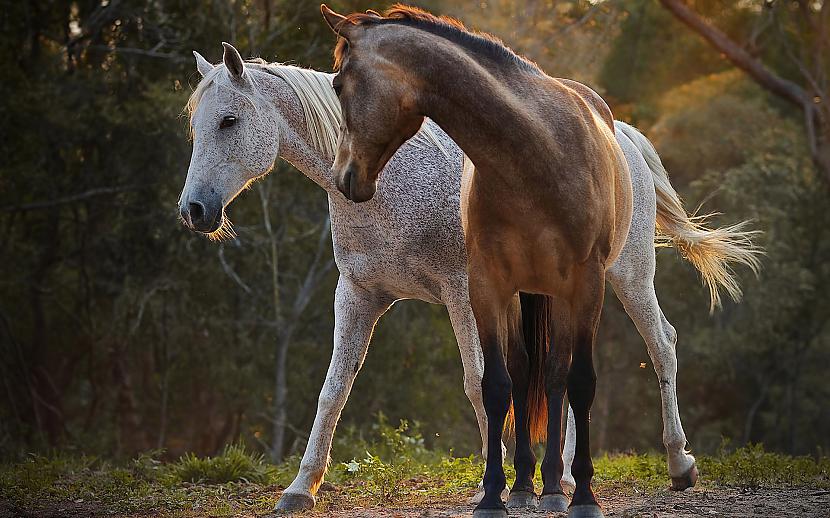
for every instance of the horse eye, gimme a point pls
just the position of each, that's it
(337, 89)
(227, 122)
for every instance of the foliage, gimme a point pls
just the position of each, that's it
(752, 466)
(644, 471)
(399, 453)
(235, 464)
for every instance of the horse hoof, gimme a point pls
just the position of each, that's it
(689, 479)
(555, 503)
(294, 502)
(522, 500)
(585, 511)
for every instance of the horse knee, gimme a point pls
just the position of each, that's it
(472, 387)
(329, 401)
(670, 333)
(496, 391)
(581, 389)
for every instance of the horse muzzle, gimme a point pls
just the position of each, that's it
(202, 216)
(351, 185)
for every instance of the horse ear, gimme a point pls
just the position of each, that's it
(202, 65)
(233, 60)
(373, 13)
(336, 22)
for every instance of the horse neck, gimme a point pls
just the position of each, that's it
(471, 100)
(296, 145)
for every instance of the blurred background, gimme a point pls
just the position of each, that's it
(122, 332)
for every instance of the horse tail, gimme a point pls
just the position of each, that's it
(536, 327)
(712, 251)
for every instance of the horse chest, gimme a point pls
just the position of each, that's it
(402, 257)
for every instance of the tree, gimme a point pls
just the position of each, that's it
(808, 53)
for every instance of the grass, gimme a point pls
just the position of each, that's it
(235, 464)
(395, 468)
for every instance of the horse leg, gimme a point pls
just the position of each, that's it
(490, 307)
(632, 277)
(582, 381)
(464, 325)
(558, 363)
(640, 302)
(355, 313)
(522, 494)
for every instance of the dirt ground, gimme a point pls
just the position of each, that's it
(700, 502)
(708, 502)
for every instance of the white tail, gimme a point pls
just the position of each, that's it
(711, 250)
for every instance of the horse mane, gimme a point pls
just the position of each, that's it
(452, 29)
(321, 108)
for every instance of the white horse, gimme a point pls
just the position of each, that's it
(246, 114)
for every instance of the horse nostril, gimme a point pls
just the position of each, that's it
(197, 211)
(347, 183)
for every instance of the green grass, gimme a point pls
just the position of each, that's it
(235, 464)
(394, 469)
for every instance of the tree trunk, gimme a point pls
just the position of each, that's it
(280, 396)
(753, 411)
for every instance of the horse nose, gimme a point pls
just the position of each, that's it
(196, 211)
(344, 182)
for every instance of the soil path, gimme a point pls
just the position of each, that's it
(704, 502)
(616, 502)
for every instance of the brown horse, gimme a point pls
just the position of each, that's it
(545, 210)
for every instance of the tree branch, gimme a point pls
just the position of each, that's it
(737, 54)
(69, 199)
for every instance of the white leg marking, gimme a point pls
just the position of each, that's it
(568, 452)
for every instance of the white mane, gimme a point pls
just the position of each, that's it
(321, 108)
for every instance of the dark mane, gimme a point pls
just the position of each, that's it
(444, 26)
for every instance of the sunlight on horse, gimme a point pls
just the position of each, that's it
(299, 111)
(546, 209)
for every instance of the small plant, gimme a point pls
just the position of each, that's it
(381, 481)
(235, 464)
(460, 473)
(147, 466)
(397, 454)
